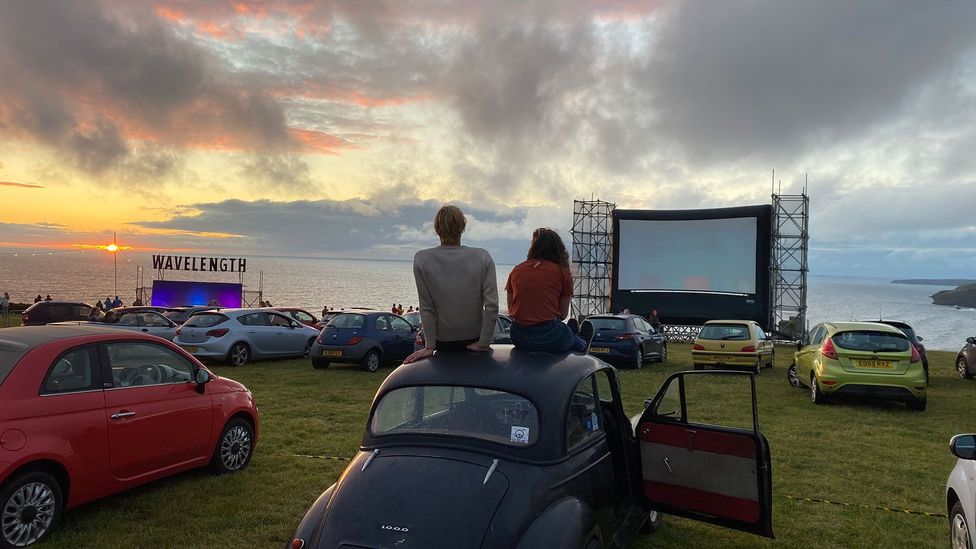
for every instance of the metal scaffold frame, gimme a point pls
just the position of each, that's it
(592, 256)
(789, 268)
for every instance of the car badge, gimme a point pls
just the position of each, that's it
(394, 528)
(722, 345)
(334, 336)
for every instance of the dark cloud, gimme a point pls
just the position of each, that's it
(287, 172)
(774, 79)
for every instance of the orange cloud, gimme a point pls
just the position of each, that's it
(20, 185)
(319, 142)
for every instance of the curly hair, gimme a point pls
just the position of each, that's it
(547, 245)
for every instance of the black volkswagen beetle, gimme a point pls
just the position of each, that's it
(532, 450)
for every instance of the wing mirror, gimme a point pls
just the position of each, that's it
(202, 377)
(970, 340)
(920, 338)
(963, 446)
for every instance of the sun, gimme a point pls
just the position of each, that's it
(112, 248)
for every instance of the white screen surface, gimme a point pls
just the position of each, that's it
(717, 255)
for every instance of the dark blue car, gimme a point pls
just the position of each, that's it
(367, 338)
(627, 339)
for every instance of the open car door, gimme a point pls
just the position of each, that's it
(702, 455)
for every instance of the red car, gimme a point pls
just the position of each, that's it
(88, 412)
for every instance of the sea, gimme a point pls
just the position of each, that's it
(312, 283)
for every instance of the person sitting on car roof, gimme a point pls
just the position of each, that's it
(539, 291)
(457, 290)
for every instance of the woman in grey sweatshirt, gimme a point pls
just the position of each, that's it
(457, 290)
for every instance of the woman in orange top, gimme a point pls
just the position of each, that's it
(539, 291)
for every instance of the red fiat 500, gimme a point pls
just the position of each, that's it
(87, 412)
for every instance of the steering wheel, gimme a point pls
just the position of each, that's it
(151, 373)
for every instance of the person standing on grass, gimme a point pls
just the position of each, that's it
(457, 289)
(5, 307)
(539, 292)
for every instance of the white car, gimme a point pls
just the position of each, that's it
(239, 335)
(961, 492)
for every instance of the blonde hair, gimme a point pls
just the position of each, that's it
(449, 223)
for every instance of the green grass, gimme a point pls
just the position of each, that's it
(864, 453)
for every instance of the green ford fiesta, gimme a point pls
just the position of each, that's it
(859, 359)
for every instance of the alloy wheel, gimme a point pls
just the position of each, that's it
(239, 354)
(308, 349)
(235, 447)
(28, 514)
(961, 367)
(959, 532)
(813, 390)
(792, 377)
(373, 361)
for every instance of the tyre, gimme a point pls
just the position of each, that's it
(239, 354)
(959, 537)
(638, 358)
(918, 404)
(308, 348)
(371, 362)
(664, 353)
(962, 368)
(320, 364)
(234, 447)
(757, 369)
(30, 507)
(772, 360)
(816, 395)
(792, 377)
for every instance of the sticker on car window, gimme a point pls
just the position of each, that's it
(592, 424)
(520, 434)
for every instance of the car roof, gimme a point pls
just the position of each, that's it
(620, 316)
(545, 379)
(731, 321)
(53, 302)
(847, 326)
(891, 322)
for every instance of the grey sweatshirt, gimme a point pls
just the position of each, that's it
(458, 294)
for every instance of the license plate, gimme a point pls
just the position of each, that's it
(191, 350)
(330, 352)
(603, 350)
(726, 358)
(880, 364)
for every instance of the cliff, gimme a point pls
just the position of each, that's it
(963, 296)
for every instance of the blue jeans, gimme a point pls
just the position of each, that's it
(552, 336)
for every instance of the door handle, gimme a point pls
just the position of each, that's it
(120, 415)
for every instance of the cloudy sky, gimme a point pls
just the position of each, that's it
(336, 128)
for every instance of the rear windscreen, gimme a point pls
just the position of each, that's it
(9, 355)
(204, 320)
(352, 321)
(617, 324)
(868, 340)
(725, 332)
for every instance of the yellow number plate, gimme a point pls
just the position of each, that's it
(330, 352)
(604, 350)
(191, 350)
(880, 364)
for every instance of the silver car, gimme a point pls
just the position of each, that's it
(147, 322)
(240, 335)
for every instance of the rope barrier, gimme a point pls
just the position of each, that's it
(865, 506)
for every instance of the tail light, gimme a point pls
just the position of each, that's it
(624, 336)
(297, 543)
(355, 339)
(748, 349)
(915, 356)
(698, 348)
(919, 347)
(828, 349)
(219, 332)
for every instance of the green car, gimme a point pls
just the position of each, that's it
(860, 359)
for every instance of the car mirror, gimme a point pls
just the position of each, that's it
(963, 446)
(920, 338)
(202, 377)
(970, 340)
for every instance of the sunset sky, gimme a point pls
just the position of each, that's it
(337, 128)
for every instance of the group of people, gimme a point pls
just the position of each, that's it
(458, 294)
(39, 299)
(397, 309)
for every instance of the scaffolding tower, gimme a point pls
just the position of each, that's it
(592, 256)
(788, 265)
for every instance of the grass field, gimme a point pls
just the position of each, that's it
(862, 453)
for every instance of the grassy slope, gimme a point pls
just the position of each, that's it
(858, 452)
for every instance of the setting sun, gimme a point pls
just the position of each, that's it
(112, 248)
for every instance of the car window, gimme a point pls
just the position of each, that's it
(869, 340)
(707, 402)
(582, 417)
(603, 390)
(399, 325)
(254, 319)
(71, 372)
(205, 320)
(760, 334)
(352, 321)
(173, 315)
(413, 318)
(302, 316)
(153, 320)
(382, 323)
(725, 332)
(279, 320)
(617, 324)
(141, 363)
(818, 335)
(467, 412)
(128, 319)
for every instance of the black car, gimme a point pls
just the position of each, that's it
(523, 450)
(46, 312)
(180, 315)
(916, 340)
(966, 359)
(626, 339)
